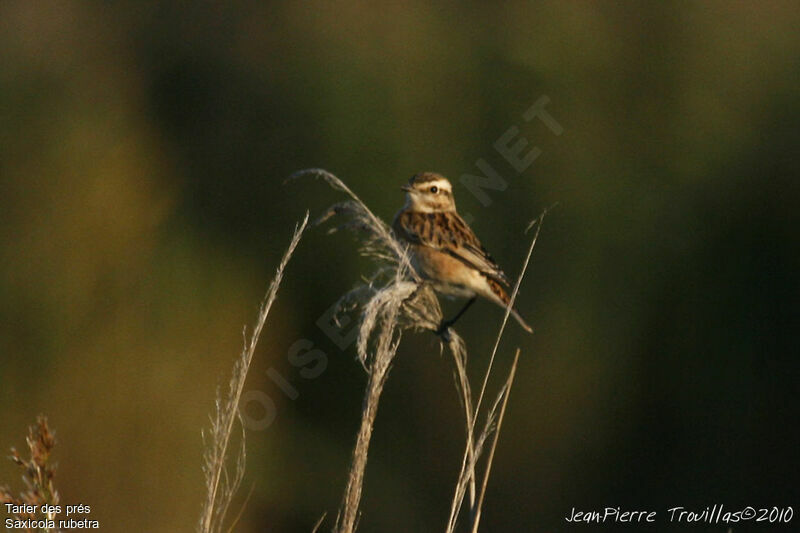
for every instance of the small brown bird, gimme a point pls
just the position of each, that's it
(444, 250)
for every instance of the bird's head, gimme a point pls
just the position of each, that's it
(428, 192)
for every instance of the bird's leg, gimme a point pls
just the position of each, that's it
(447, 323)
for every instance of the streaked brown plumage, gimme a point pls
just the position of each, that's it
(444, 250)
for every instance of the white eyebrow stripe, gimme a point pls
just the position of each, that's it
(443, 185)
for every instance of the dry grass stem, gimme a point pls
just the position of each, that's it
(538, 222)
(474, 448)
(319, 522)
(472, 455)
(221, 482)
(506, 392)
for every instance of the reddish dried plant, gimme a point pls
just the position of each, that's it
(37, 473)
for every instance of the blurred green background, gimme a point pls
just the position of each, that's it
(143, 148)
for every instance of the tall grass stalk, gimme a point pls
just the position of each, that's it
(506, 392)
(473, 450)
(222, 482)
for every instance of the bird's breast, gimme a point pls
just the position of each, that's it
(449, 275)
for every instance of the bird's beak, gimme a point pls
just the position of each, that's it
(406, 188)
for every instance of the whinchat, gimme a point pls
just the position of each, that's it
(444, 250)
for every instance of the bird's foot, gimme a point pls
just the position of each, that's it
(444, 330)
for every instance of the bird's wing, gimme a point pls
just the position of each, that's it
(448, 233)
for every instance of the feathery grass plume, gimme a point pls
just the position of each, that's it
(37, 473)
(221, 482)
(391, 300)
(473, 450)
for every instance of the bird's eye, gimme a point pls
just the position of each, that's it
(434, 189)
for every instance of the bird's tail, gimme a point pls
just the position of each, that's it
(521, 321)
(500, 297)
